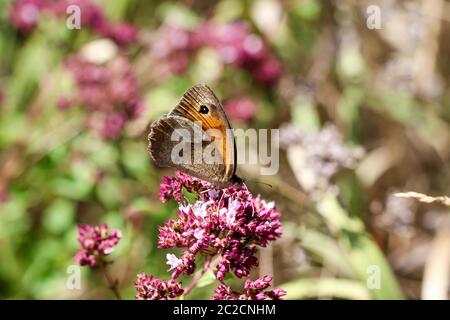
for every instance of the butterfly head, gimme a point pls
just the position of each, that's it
(236, 180)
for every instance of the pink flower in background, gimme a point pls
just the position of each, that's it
(64, 103)
(109, 92)
(150, 288)
(243, 109)
(96, 242)
(269, 71)
(24, 14)
(122, 33)
(227, 39)
(234, 43)
(253, 290)
(170, 39)
(238, 46)
(92, 15)
(171, 48)
(108, 125)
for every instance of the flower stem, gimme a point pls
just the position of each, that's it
(113, 283)
(206, 267)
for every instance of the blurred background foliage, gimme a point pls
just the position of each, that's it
(363, 113)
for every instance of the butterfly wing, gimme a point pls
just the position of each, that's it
(214, 121)
(167, 138)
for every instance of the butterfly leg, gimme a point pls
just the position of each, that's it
(253, 205)
(221, 197)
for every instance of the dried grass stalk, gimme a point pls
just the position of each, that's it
(424, 198)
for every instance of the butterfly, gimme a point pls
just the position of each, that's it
(200, 117)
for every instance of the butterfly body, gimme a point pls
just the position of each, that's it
(199, 113)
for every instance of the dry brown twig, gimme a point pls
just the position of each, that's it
(436, 276)
(424, 198)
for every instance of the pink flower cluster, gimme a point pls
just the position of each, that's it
(172, 187)
(234, 43)
(109, 92)
(149, 288)
(230, 222)
(96, 242)
(238, 46)
(253, 290)
(171, 49)
(243, 109)
(226, 223)
(25, 15)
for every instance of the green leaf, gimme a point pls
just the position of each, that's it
(363, 253)
(72, 189)
(109, 192)
(14, 220)
(12, 128)
(177, 14)
(364, 256)
(325, 288)
(304, 114)
(207, 279)
(328, 249)
(117, 9)
(308, 10)
(336, 217)
(190, 197)
(59, 216)
(135, 159)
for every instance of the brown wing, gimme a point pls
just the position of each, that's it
(163, 149)
(190, 107)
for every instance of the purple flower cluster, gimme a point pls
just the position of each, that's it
(228, 222)
(171, 50)
(149, 288)
(238, 46)
(25, 15)
(225, 226)
(253, 290)
(234, 43)
(242, 108)
(96, 242)
(108, 91)
(172, 187)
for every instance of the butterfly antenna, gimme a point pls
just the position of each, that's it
(253, 205)
(221, 197)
